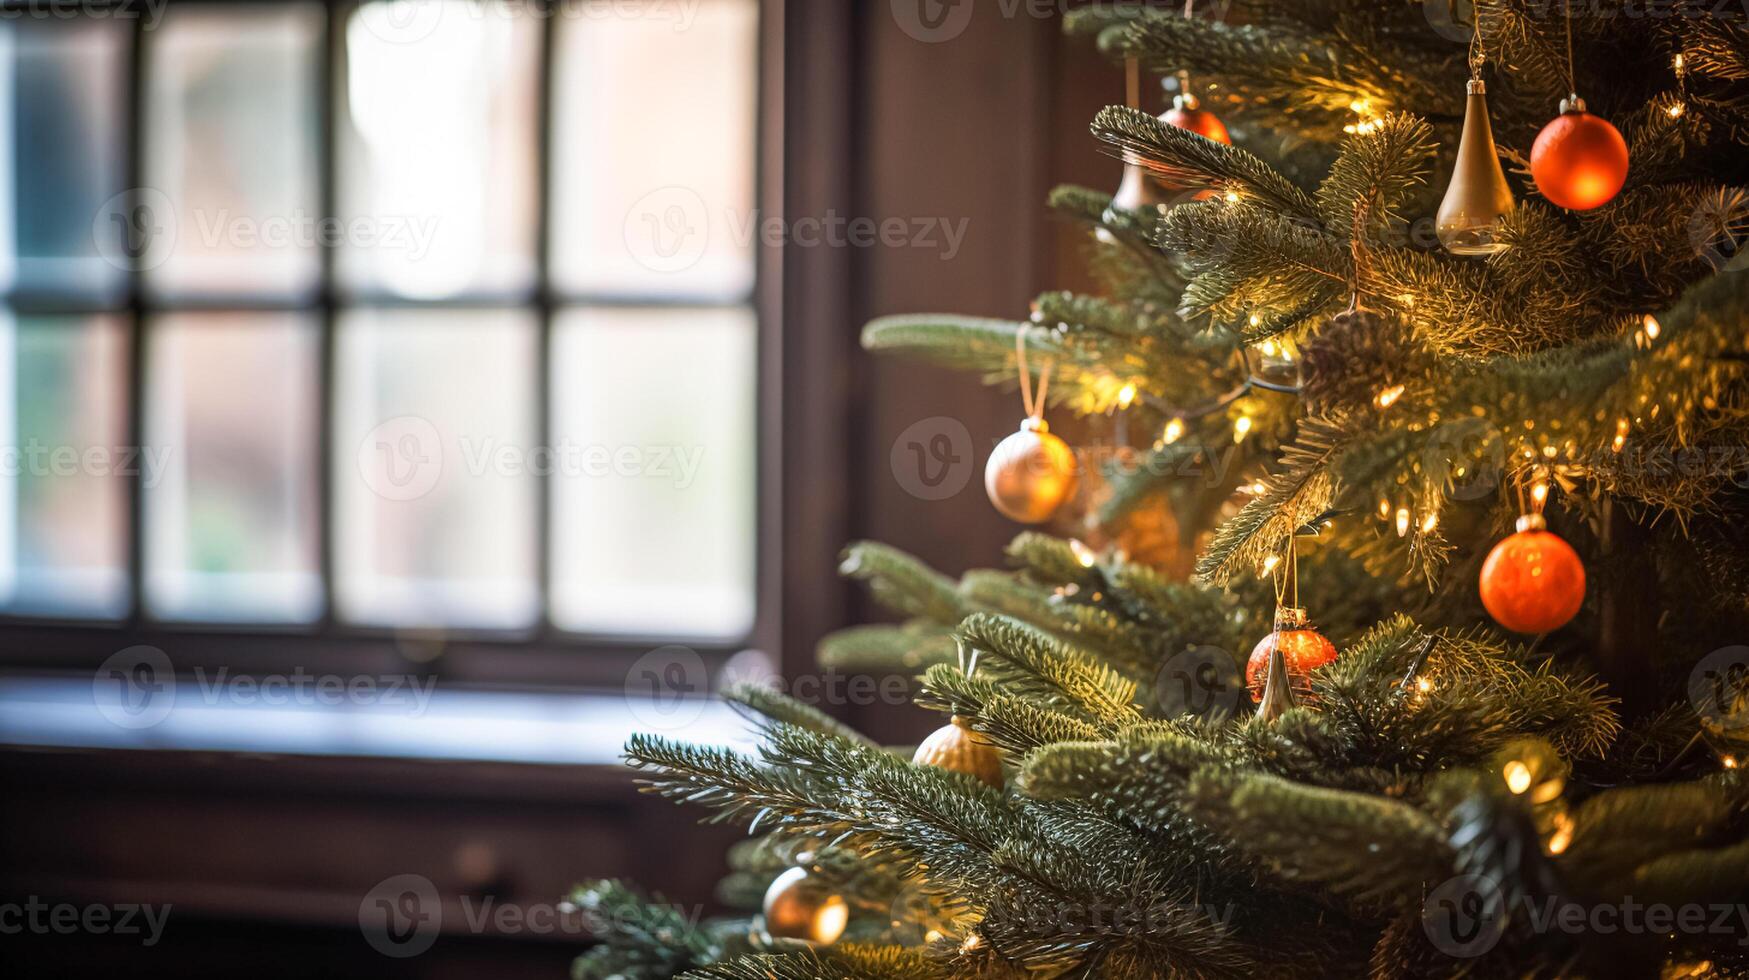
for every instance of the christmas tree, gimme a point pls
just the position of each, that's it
(1432, 317)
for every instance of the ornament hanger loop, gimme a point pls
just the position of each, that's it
(1478, 50)
(1572, 87)
(1035, 408)
(1287, 583)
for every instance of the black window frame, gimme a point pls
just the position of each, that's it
(543, 656)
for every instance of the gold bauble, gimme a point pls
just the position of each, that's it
(800, 906)
(1030, 473)
(956, 748)
(1478, 197)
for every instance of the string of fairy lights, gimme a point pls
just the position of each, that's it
(1532, 582)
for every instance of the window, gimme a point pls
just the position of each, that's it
(347, 321)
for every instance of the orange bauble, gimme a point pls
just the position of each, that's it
(1579, 160)
(1303, 649)
(1533, 582)
(1186, 113)
(1199, 121)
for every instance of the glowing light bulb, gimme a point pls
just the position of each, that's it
(1621, 434)
(1388, 397)
(1423, 685)
(1231, 197)
(1083, 554)
(1517, 777)
(1174, 431)
(1241, 428)
(1270, 563)
(1675, 110)
(1126, 395)
(1539, 493)
(1402, 521)
(1430, 523)
(1650, 328)
(1562, 836)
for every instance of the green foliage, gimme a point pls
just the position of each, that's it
(639, 938)
(1306, 845)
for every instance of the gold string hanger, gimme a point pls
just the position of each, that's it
(1034, 409)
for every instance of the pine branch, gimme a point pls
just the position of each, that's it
(776, 706)
(902, 583)
(638, 938)
(1182, 157)
(1298, 78)
(842, 962)
(887, 649)
(1300, 492)
(1380, 854)
(1375, 175)
(1026, 662)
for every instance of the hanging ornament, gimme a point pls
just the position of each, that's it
(956, 748)
(1138, 191)
(1032, 472)
(1478, 198)
(1187, 113)
(1533, 582)
(1579, 160)
(1277, 695)
(1300, 648)
(800, 906)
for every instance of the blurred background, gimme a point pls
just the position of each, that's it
(403, 402)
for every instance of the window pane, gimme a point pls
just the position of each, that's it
(230, 151)
(230, 521)
(435, 519)
(437, 149)
(653, 513)
(653, 136)
(63, 488)
(61, 102)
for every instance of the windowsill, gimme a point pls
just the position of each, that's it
(545, 729)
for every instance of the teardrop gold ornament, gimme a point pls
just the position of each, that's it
(1278, 698)
(1478, 197)
(956, 748)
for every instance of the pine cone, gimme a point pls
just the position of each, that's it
(1357, 355)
